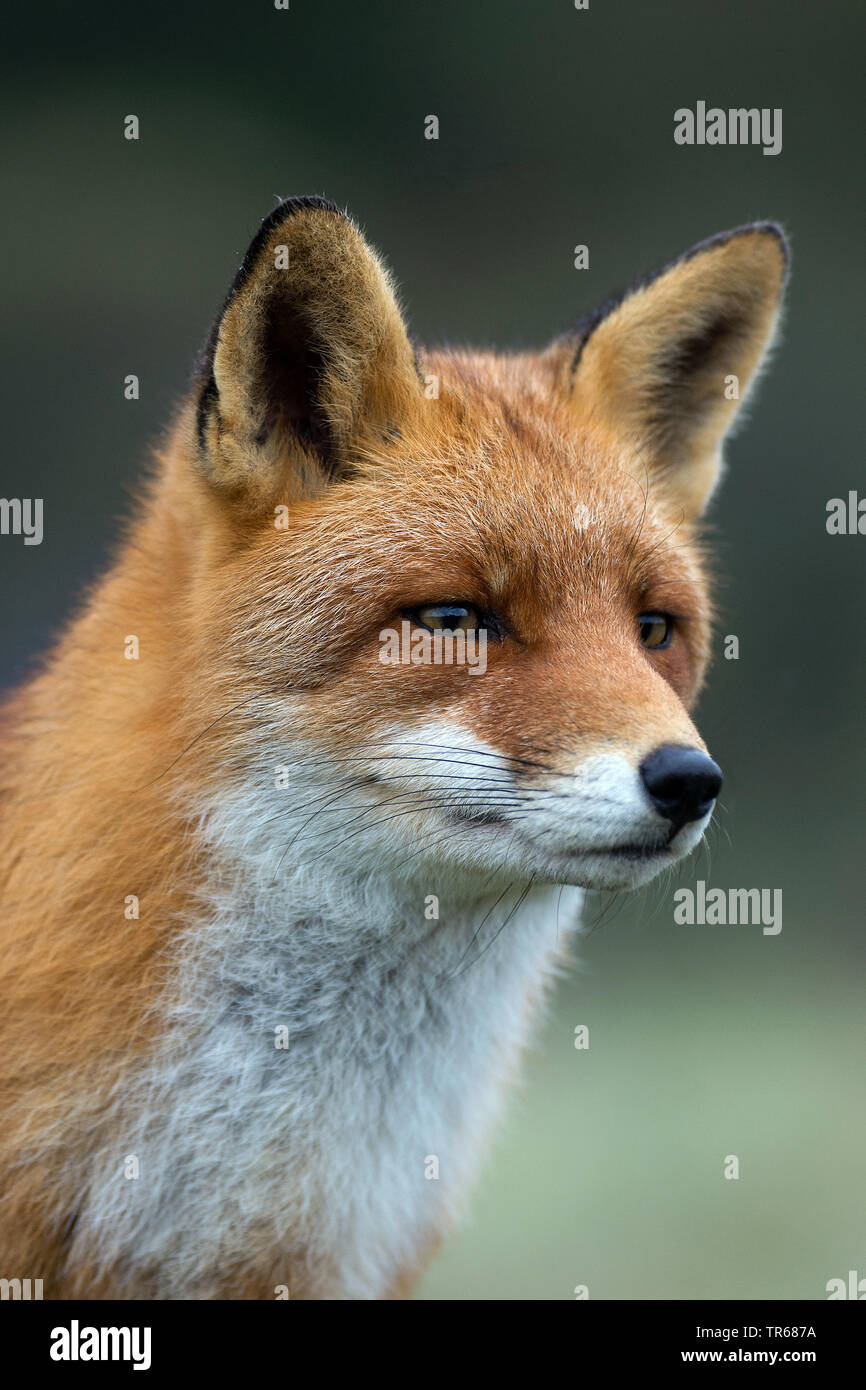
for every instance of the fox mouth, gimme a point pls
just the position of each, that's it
(612, 867)
(636, 851)
(629, 856)
(627, 865)
(632, 852)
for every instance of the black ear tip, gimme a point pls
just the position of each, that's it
(774, 230)
(287, 207)
(770, 229)
(771, 232)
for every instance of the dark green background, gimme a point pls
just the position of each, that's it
(556, 129)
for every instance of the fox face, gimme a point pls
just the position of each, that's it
(378, 513)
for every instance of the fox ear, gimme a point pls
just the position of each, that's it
(309, 354)
(666, 367)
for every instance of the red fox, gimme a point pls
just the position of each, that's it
(279, 913)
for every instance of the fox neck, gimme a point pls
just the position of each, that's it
(353, 1049)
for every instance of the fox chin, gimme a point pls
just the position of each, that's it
(397, 656)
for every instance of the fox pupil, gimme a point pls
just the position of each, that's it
(451, 616)
(656, 629)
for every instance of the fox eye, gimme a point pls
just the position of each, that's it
(455, 617)
(656, 629)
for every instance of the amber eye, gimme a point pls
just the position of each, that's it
(656, 629)
(455, 617)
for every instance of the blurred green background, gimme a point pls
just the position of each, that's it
(556, 129)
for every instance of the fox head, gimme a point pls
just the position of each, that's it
(350, 491)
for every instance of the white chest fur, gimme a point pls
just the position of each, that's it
(349, 1147)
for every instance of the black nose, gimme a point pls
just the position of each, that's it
(683, 782)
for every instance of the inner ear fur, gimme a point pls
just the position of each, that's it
(309, 353)
(654, 367)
